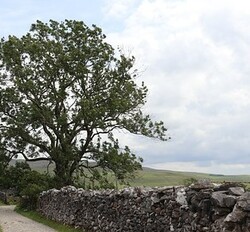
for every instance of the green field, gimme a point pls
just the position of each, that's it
(153, 177)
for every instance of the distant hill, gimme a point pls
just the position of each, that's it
(40, 166)
(154, 177)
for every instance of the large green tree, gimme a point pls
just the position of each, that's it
(64, 90)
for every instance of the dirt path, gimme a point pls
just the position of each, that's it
(11, 221)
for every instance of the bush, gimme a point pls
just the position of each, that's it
(189, 181)
(31, 185)
(26, 183)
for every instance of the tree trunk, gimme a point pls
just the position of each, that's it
(63, 177)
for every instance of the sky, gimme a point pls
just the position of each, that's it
(193, 56)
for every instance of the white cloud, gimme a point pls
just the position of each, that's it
(118, 9)
(196, 55)
(195, 60)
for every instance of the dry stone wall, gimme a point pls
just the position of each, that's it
(197, 208)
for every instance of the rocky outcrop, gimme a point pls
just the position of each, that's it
(197, 208)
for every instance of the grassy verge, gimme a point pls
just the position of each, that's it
(1, 204)
(39, 218)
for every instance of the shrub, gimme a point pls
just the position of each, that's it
(31, 185)
(26, 183)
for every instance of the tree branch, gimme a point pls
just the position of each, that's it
(34, 159)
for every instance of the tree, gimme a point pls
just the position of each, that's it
(25, 183)
(63, 91)
(5, 157)
(4, 161)
(14, 174)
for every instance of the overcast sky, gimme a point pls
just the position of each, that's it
(194, 57)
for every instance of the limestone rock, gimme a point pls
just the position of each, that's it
(163, 209)
(230, 201)
(244, 202)
(236, 191)
(236, 216)
(218, 198)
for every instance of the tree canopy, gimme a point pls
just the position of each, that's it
(63, 92)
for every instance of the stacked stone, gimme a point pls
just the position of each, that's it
(214, 208)
(197, 208)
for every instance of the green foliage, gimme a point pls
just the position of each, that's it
(5, 158)
(31, 185)
(62, 89)
(189, 181)
(3, 162)
(1, 204)
(26, 183)
(13, 176)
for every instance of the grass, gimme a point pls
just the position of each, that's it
(152, 177)
(41, 219)
(1, 203)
